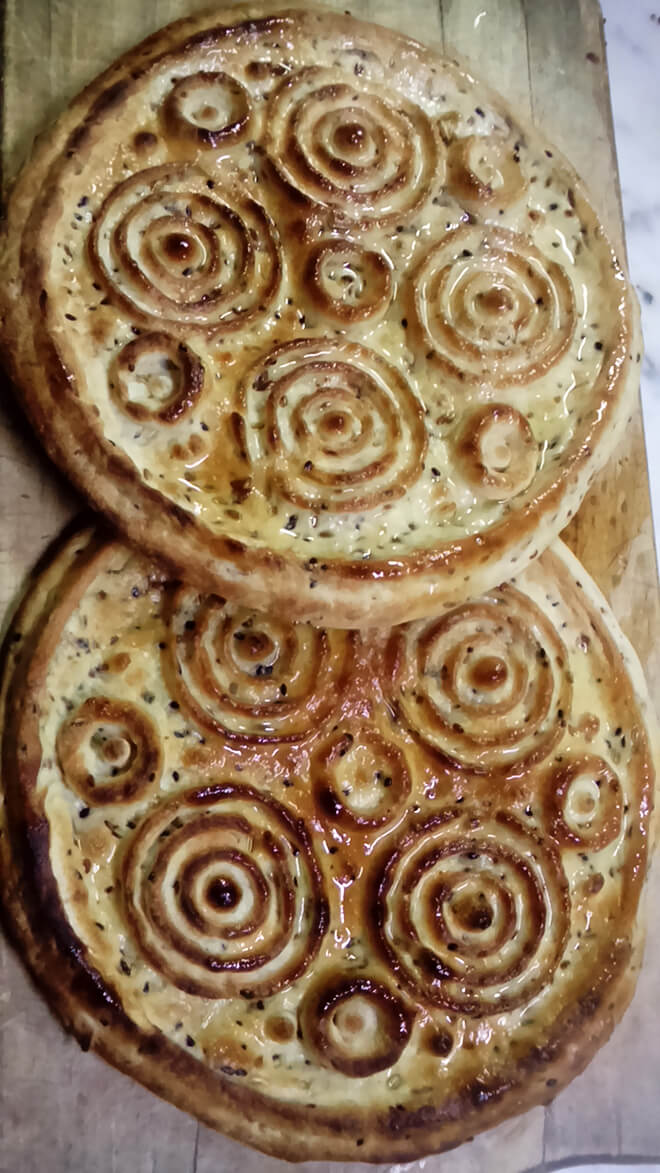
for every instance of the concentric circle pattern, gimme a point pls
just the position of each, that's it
(497, 453)
(486, 685)
(109, 752)
(254, 676)
(473, 913)
(186, 252)
(310, 315)
(211, 108)
(347, 282)
(492, 309)
(355, 1025)
(484, 172)
(585, 803)
(223, 893)
(156, 378)
(360, 779)
(353, 150)
(333, 426)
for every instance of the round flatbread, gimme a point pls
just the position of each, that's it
(303, 309)
(341, 896)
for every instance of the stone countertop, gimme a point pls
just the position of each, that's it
(632, 32)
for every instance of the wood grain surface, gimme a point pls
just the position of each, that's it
(65, 1112)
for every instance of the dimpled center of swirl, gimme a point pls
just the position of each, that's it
(488, 672)
(469, 907)
(222, 894)
(497, 300)
(254, 647)
(177, 246)
(111, 748)
(350, 138)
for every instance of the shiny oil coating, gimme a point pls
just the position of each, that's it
(314, 317)
(339, 895)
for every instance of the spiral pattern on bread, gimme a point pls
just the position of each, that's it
(347, 282)
(156, 378)
(109, 752)
(497, 452)
(355, 1025)
(209, 108)
(485, 685)
(483, 172)
(185, 252)
(472, 912)
(585, 803)
(223, 893)
(333, 425)
(360, 779)
(250, 675)
(357, 152)
(491, 308)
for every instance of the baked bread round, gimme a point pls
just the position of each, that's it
(303, 309)
(341, 896)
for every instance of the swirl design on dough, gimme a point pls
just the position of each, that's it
(156, 377)
(185, 252)
(585, 803)
(491, 309)
(347, 282)
(497, 452)
(473, 912)
(356, 151)
(223, 893)
(483, 172)
(253, 676)
(210, 108)
(331, 424)
(355, 1025)
(360, 779)
(109, 752)
(486, 685)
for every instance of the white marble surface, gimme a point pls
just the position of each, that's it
(632, 31)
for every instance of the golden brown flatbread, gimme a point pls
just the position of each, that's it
(341, 896)
(303, 309)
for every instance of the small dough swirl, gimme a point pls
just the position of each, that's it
(109, 752)
(355, 1025)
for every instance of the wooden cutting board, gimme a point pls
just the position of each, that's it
(65, 1112)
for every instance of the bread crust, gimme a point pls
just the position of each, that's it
(76, 976)
(329, 584)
